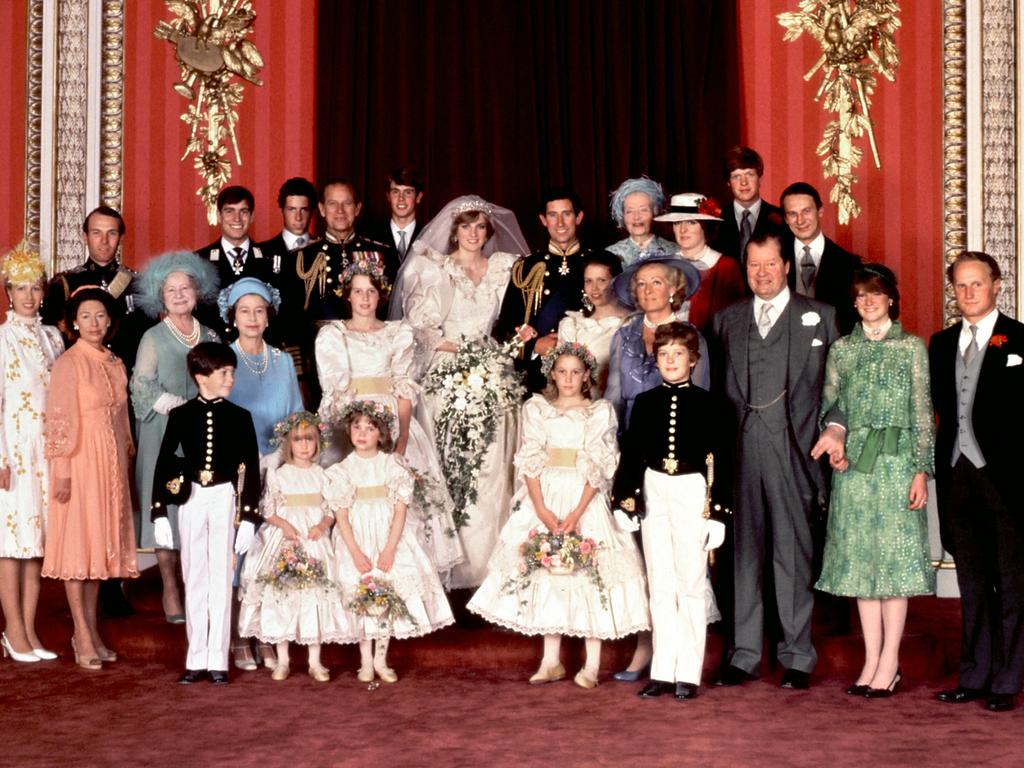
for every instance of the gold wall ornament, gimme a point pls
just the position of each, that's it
(211, 47)
(857, 41)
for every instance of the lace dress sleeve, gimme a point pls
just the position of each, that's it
(334, 371)
(402, 363)
(145, 387)
(922, 419)
(62, 417)
(273, 497)
(426, 298)
(339, 491)
(532, 456)
(399, 481)
(567, 328)
(599, 458)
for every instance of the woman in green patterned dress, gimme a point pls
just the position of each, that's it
(876, 548)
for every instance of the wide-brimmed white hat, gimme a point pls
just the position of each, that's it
(691, 206)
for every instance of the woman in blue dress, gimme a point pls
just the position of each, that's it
(265, 385)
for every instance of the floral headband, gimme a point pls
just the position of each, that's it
(371, 268)
(22, 266)
(575, 349)
(299, 419)
(372, 410)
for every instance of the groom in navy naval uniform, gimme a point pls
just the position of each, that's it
(977, 378)
(772, 349)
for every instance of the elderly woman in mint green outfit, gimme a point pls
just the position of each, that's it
(169, 289)
(876, 548)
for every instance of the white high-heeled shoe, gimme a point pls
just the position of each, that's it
(25, 658)
(44, 655)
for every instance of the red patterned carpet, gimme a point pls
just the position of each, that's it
(463, 701)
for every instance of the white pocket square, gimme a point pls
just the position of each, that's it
(816, 342)
(1012, 360)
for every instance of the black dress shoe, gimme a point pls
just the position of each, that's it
(219, 677)
(655, 688)
(795, 680)
(857, 690)
(192, 676)
(960, 695)
(685, 691)
(733, 676)
(885, 693)
(1000, 702)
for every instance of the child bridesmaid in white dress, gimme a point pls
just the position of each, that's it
(296, 516)
(566, 461)
(369, 493)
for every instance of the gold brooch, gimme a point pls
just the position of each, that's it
(174, 486)
(670, 465)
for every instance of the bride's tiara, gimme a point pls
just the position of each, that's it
(473, 204)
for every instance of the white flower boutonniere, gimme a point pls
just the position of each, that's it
(810, 318)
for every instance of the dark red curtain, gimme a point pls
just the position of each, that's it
(506, 97)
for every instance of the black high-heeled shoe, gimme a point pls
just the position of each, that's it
(857, 690)
(884, 693)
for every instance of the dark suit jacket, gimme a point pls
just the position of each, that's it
(809, 342)
(256, 265)
(727, 241)
(998, 414)
(381, 232)
(833, 282)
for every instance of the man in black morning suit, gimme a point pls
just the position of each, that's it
(405, 193)
(772, 349)
(544, 286)
(233, 253)
(749, 214)
(977, 379)
(821, 269)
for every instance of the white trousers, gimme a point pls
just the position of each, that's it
(676, 574)
(207, 530)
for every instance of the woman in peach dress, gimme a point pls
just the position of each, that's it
(90, 532)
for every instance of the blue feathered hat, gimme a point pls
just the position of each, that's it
(148, 296)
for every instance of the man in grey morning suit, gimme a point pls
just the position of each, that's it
(772, 354)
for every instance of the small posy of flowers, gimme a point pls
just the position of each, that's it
(566, 553)
(997, 340)
(476, 386)
(377, 598)
(294, 569)
(576, 350)
(299, 419)
(709, 207)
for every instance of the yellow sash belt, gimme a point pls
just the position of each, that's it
(367, 492)
(562, 457)
(302, 499)
(372, 385)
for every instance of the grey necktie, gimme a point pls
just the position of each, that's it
(300, 242)
(764, 320)
(238, 262)
(807, 272)
(401, 243)
(972, 347)
(745, 230)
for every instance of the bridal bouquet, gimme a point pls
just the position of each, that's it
(430, 496)
(476, 387)
(377, 599)
(560, 554)
(294, 569)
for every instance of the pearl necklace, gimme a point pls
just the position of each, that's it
(260, 366)
(876, 333)
(189, 340)
(650, 325)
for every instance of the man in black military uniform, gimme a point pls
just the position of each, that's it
(102, 231)
(545, 285)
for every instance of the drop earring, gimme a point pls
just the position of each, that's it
(588, 305)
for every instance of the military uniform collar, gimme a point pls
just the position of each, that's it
(676, 385)
(111, 267)
(332, 239)
(574, 247)
(204, 401)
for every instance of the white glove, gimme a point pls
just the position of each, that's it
(167, 401)
(162, 533)
(243, 539)
(626, 523)
(713, 535)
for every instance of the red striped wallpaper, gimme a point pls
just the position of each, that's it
(901, 204)
(13, 35)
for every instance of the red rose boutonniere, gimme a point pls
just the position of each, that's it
(709, 207)
(997, 340)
